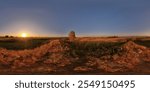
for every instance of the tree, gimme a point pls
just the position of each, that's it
(72, 36)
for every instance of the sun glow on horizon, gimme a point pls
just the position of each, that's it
(24, 35)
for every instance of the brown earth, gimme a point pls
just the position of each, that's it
(53, 58)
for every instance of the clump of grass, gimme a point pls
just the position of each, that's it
(96, 49)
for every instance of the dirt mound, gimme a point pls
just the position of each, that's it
(128, 59)
(51, 52)
(133, 47)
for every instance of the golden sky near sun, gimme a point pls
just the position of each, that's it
(24, 35)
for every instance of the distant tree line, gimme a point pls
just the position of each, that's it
(8, 36)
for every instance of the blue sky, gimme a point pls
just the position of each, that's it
(85, 17)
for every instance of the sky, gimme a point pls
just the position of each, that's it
(85, 17)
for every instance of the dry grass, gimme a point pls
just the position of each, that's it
(78, 57)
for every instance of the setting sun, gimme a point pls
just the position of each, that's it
(24, 35)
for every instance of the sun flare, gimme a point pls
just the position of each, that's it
(24, 35)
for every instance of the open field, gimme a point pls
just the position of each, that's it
(85, 55)
(18, 43)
